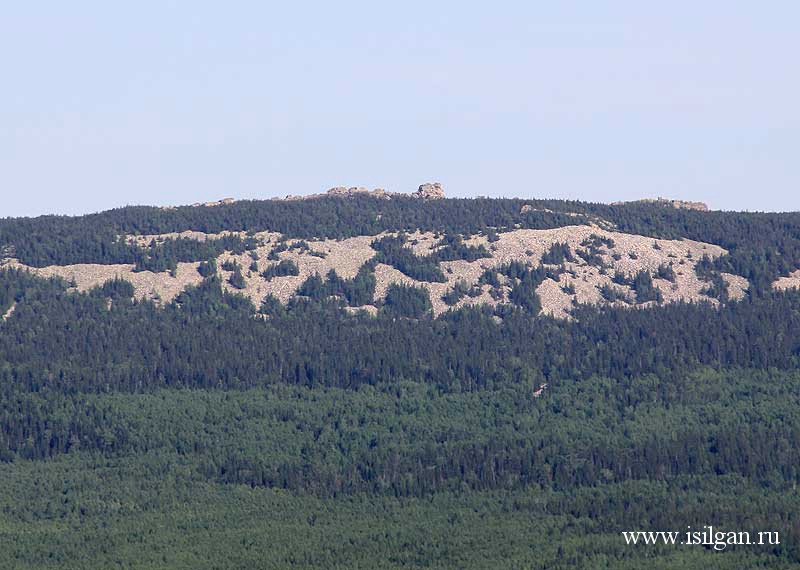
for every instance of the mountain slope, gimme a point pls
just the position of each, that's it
(590, 259)
(381, 381)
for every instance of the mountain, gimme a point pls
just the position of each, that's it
(577, 257)
(371, 379)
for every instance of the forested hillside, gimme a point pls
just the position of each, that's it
(208, 431)
(763, 246)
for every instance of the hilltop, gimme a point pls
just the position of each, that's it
(547, 256)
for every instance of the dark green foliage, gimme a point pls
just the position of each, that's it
(185, 351)
(645, 290)
(595, 245)
(612, 294)
(357, 292)
(115, 289)
(407, 301)
(270, 305)
(557, 254)
(516, 270)
(165, 255)
(458, 292)
(230, 265)
(621, 279)
(666, 271)
(392, 251)
(591, 257)
(641, 283)
(524, 294)
(237, 279)
(281, 269)
(699, 431)
(597, 242)
(489, 277)
(202, 302)
(281, 246)
(314, 287)
(158, 258)
(17, 285)
(300, 245)
(452, 247)
(482, 476)
(523, 281)
(207, 268)
(717, 287)
(623, 418)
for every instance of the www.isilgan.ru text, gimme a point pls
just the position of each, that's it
(706, 536)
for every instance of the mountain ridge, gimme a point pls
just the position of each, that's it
(632, 254)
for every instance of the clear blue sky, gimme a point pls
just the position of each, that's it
(108, 103)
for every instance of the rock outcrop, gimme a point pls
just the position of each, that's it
(222, 202)
(791, 281)
(344, 191)
(680, 204)
(340, 192)
(429, 191)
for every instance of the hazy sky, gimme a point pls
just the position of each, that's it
(108, 103)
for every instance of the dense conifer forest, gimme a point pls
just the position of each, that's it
(209, 433)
